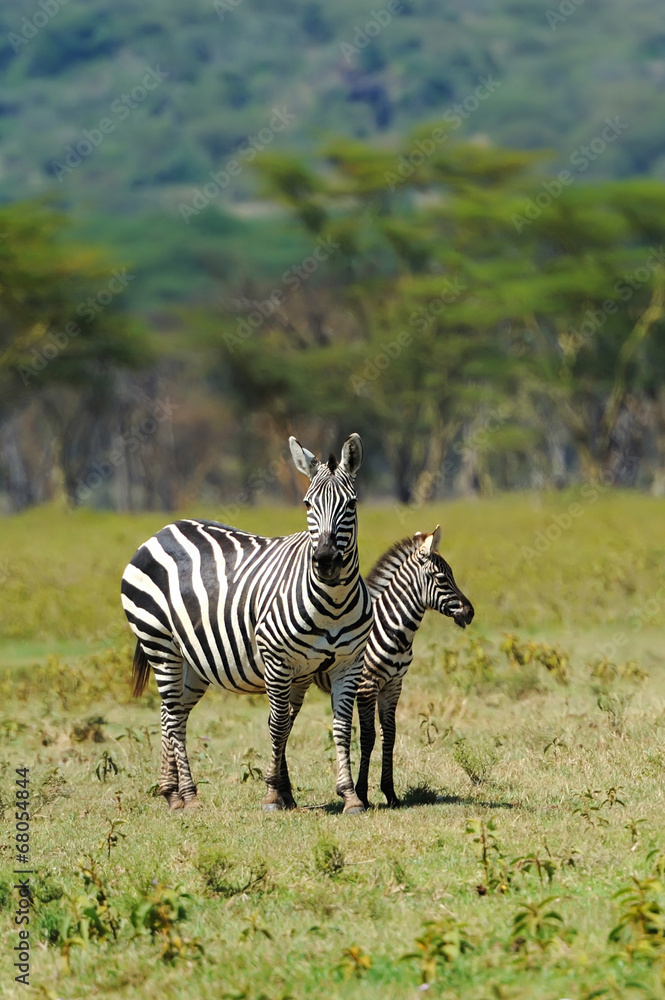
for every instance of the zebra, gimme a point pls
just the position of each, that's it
(210, 604)
(407, 580)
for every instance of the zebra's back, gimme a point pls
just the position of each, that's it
(219, 596)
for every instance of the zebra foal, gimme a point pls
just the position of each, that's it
(210, 604)
(407, 580)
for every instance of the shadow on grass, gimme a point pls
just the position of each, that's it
(420, 795)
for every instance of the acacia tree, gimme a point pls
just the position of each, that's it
(62, 341)
(477, 331)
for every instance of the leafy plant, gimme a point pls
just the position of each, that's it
(615, 705)
(91, 729)
(254, 928)
(497, 873)
(607, 672)
(354, 963)
(640, 929)
(328, 857)
(216, 869)
(250, 771)
(113, 835)
(476, 757)
(590, 805)
(537, 928)
(428, 724)
(106, 766)
(522, 653)
(441, 940)
(86, 916)
(160, 911)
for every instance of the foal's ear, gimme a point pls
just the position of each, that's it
(431, 543)
(352, 454)
(304, 460)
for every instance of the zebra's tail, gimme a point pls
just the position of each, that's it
(140, 671)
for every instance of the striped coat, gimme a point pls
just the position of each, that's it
(407, 580)
(213, 605)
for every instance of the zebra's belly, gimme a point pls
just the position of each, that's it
(235, 665)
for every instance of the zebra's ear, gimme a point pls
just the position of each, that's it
(431, 543)
(352, 454)
(303, 460)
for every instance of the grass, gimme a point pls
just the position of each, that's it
(522, 782)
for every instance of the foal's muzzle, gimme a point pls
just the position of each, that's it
(463, 616)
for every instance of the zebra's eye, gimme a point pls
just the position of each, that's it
(351, 505)
(308, 505)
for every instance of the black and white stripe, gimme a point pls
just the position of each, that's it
(407, 580)
(210, 604)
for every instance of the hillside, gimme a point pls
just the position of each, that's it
(207, 77)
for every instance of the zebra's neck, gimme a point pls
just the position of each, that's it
(398, 612)
(384, 569)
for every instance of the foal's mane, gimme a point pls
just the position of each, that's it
(386, 566)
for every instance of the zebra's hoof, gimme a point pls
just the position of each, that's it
(175, 802)
(272, 807)
(353, 806)
(192, 803)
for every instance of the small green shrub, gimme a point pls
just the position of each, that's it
(441, 940)
(476, 757)
(216, 869)
(328, 857)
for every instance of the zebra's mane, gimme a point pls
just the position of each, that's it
(387, 565)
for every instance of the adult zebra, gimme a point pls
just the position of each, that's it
(210, 604)
(407, 580)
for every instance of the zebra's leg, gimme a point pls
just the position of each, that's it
(298, 692)
(388, 698)
(278, 688)
(366, 711)
(180, 689)
(345, 682)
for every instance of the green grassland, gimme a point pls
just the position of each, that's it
(550, 749)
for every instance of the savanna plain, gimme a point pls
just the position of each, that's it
(527, 860)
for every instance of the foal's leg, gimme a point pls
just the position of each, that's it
(387, 700)
(366, 699)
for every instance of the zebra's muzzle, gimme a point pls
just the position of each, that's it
(463, 616)
(327, 560)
